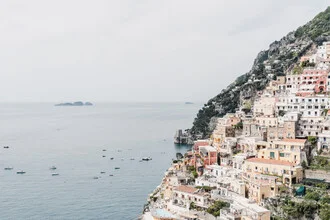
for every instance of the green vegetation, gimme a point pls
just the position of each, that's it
(313, 195)
(192, 206)
(238, 126)
(316, 183)
(191, 168)
(304, 165)
(312, 140)
(320, 163)
(195, 174)
(317, 27)
(215, 208)
(297, 70)
(307, 64)
(206, 188)
(299, 210)
(325, 212)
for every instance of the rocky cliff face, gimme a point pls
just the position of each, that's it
(276, 61)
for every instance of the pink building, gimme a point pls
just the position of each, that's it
(200, 143)
(309, 82)
(208, 155)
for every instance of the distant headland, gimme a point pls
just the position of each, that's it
(74, 104)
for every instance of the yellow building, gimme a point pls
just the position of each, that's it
(289, 172)
(261, 186)
(290, 150)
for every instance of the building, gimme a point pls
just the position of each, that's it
(289, 172)
(290, 150)
(244, 209)
(184, 195)
(261, 186)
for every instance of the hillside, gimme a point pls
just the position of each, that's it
(280, 57)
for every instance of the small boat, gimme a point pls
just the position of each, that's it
(21, 172)
(9, 168)
(111, 175)
(132, 159)
(52, 168)
(146, 158)
(122, 159)
(55, 174)
(6, 147)
(117, 168)
(104, 150)
(102, 172)
(95, 177)
(112, 158)
(103, 156)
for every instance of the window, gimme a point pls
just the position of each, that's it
(272, 155)
(281, 154)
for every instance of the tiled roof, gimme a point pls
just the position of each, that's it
(269, 161)
(186, 189)
(295, 140)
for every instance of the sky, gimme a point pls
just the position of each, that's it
(136, 51)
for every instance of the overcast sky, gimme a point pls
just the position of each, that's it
(136, 50)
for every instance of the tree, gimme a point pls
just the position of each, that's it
(216, 207)
(304, 165)
(312, 140)
(192, 206)
(195, 174)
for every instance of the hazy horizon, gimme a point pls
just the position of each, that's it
(128, 51)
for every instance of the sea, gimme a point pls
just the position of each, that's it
(80, 142)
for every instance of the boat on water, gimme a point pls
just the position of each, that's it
(95, 177)
(52, 168)
(112, 158)
(6, 147)
(55, 174)
(132, 159)
(103, 156)
(8, 168)
(104, 150)
(146, 158)
(21, 172)
(102, 172)
(117, 168)
(111, 175)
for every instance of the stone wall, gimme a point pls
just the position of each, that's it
(318, 174)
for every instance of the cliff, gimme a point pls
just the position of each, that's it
(280, 58)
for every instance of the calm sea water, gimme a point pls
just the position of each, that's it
(72, 139)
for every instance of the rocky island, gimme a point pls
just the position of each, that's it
(262, 146)
(75, 104)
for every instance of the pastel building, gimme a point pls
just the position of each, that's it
(224, 128)
(323, 142)
(184, 195)
(290, 150)
(289, 172)
(261, 186)
(244, 209)
(264, 106)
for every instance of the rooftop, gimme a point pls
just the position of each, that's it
(186, 189)
(269, 161)
(302, 141)
(207, 149)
